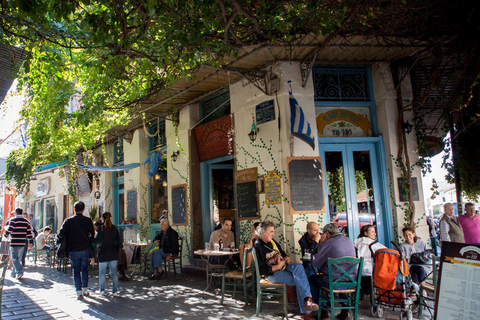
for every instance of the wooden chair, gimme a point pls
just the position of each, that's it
(429, 287)
(266, 289)
(173, 260)
(345, 284)
(239, 278)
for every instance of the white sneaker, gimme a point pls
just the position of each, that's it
(100, 293)
(19, 276)
(115, 294)
(85, 292)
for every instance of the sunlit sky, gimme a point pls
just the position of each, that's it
(10, 108)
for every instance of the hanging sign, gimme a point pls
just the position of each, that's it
(43, 187)
(212, 138)
(273, 188)
(265, 111)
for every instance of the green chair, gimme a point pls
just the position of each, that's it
(239, 278)
(428, 289)
(345, 284)
(3, 271)
(268, 290)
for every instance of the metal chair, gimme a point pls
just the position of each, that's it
(173, 260)
(429, 286)
(3, 271)
(345, 284)
(239, 278)
(266, 289)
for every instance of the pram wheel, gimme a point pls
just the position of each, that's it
(406, 315)
(376, 311)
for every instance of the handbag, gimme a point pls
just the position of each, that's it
(421, 257)
(62, 249)
(273, 258)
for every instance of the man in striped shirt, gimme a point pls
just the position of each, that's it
(20, 232)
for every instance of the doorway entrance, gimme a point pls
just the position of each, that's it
(218, 198)
(356, 192)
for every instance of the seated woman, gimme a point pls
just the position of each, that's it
(249, 244)
(362, 245)
(412, 245)
(276, 267)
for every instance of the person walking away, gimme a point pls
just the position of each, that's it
(20, 233)
(470, 223)
(433, 234)
(78, 230)
(108, 246)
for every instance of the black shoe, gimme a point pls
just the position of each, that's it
(152, 277)
(324, 315)
(344, 315)
(159, 275)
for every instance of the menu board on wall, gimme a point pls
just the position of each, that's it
(132, 204)
(305, 181)
(458, 289)
(247, 194)
(273, 188)
(179, 205)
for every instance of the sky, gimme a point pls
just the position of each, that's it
(9, 115)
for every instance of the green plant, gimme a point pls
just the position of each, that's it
(93, 213)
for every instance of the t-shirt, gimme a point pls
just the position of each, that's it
(217, 234)
(38, 241)
(471, 228)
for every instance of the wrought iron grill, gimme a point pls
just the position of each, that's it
(341, 84)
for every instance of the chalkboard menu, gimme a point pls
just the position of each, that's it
(247, 194)
(306, 185)
(132, 204)
(179, 205)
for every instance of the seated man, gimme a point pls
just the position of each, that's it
(309, 241)
(166, 247)
(333, 244)
(41, 240)
(225, 236)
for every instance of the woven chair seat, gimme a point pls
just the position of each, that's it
(264, 282)
(340, 290)
(237, 274)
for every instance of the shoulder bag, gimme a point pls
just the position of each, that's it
(421, 257)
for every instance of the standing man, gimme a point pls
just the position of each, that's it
(78, 230)
(450, 228)
(20, 232)
(433, 234)
(309, 241)
(470, 223)
(166, 247)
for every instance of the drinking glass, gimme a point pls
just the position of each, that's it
(216, 247)
(207, 246)
(232, 246)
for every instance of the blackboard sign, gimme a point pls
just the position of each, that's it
(402, 191)
(179, 205)
(265, 111)
(306, 185)
(132, 204)
(247, 200)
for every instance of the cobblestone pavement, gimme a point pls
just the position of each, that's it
(45, 293)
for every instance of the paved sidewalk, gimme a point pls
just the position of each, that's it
(45, 293)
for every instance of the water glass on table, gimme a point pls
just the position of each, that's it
(207, 246)
(307, 254)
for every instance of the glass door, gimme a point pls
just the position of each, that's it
(352, 186)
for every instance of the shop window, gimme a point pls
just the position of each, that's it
(215, 107)
(118, 183)
(347, 84)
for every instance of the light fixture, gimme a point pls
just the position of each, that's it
(164, 183)
(253, 134)
(407, 127)
(175, 155)
(157, 176)
(33, 178)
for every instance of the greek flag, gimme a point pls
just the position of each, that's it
(299, 125)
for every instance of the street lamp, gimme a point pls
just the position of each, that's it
(175, 155)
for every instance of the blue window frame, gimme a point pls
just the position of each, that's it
(341, 84)
(215, 107)
(118, 184)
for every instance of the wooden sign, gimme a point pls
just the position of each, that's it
(212, 138)
(305, 181)
(247, 194)
(273, 188)
(458, 282)
(179, 205)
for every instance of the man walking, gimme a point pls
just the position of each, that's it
(470, 223)
(78, 231)
(20, 232)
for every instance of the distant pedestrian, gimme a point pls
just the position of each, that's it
(78, 231)
(20, 233)
(109, 244)
(432, 228)
(470, 223)
(450, 228)
(34, 235)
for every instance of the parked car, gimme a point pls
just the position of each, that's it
(340, 219)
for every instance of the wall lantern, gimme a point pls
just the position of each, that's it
(253, 134)
(407, 127)
(175, 155)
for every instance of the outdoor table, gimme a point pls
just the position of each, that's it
(138, 263)
(206, 254)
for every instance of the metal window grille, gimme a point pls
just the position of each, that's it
(349, 84)
(208, 107)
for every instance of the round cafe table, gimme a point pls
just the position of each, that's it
(141, 260)
(206, 254)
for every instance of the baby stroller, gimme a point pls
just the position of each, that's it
(392, 284)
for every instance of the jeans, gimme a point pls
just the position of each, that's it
(102, 270)
(24, 255)
(294, 275)
(79, 261)
(309, 270)
(157, 259)
(418, 274)
(16, 253)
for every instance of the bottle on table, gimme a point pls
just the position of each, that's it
(220, 244)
